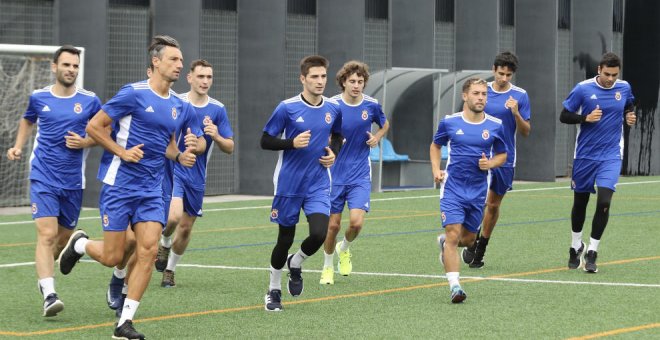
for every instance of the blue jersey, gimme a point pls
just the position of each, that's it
(299, 170)
(211, 112)
(141, 116)
(51, 161)
(495, 106)
(466, 142)
(602, 140)
(352, 164)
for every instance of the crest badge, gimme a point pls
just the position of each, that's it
(34, 208)
(485, 134)
(77, 108)
(207, 120)
(365, 114)
(106, 220)
(443, 216)
(617, 95)
(174, 115)
(328, 118)
(273, 214)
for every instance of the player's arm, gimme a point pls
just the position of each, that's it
(336, 142)
(375, 138)
(75, 141)
(435, 154)
(186, 158)
(99, 128)
(24, 130)
(629, 114)
(269, 142)
(226, 145)
(523, 126)
(493, 162)
(195, 144)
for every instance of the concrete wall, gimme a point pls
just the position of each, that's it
(477, 37)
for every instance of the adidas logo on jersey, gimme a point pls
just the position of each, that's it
(46, 108)
(300, 120)
(593, 96)
(149, 109)
(460, 132)
(199, 212)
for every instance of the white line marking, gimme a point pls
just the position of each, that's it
(20, 264)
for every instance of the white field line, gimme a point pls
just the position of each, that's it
(426, 276)
(373, 200)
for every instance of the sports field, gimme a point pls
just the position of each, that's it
(397, 289)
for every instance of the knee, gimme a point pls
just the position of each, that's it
(603, 205)
(147, 252)
(112, 259)
(356, 227)
(184, 230)
(334, 227)
(493, 207)
(285, 240)
(317, 236)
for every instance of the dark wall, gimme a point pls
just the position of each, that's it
(536, 36)
(262, 56)
(477, 36)
(412, 120)
(413, 29)
(592, 36)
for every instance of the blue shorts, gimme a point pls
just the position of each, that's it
(192, 197)
(166, 206)
(50, 201)
(120, 207)
(455, 211)
(586, 172)
(286, 210)
(357, 196)
(501, 180)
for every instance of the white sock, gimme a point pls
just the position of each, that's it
(47, 286)
(275, 279)
(124, 289)
(173, 260)
(452, 277)
(79, 246)
(344, 245)
(298, 258)
(119, 273)
(166, 241)
(593, 244)
(130, 307)
(576, 240)
(328, 260)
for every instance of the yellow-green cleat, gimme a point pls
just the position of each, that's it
(327, 276)
(345, 264)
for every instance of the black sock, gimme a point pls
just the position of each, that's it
(483, 242)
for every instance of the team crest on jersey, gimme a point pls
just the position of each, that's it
(106, 220)
(77, 108)
(365, 114)
(443, 216)
(273, 214)
(328, 117)
(485, 134)
(617, 95)
(207, 120)
(174, 115)
(34, 208)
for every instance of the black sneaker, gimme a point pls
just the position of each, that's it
(575, 258)
(273, 300)
(161, 257)
(295, 285)
(52, 305)
(590, 262)
(478, 260)
(168, 279)
(113, 296)
(69, 257)
(127, 332)
(469, 253)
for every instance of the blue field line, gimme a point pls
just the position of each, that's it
(425, 231)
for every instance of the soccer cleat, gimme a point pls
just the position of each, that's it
(345, 265)
(478, 260)
(161, 257)
(52, 305)
(575, 257)
(441, 244)
(457, 294)
(468, 253)
(590, 262)
(168, 279)
(127, 332)
(295, 284)
(327, 276)
(273, 300)
(113, 296)
(68, 256)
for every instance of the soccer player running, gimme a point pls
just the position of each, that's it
(144, 119)
(189, 183)
(351, 173)
(472, 136)
(302, 176)
(510, 104)
(600, 106)
(57, 164)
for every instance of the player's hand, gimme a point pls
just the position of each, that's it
(512, 104)
(631, 118)
(132, 155)
(484, 163)
(211, 130)
(74, 141)
(373, 140)
(190, 140)
(439, 176)
(595, 115)
(328, 159)
(14, 154)
(187, 158)
(302, 140)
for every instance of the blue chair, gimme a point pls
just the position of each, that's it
(389, 155)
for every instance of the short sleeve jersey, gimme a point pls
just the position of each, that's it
(466, 142)
(141, 116)
(298, 171)
(51, 161)
(602, 140)
(352, 164)
(211, 112)
(496, 107)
